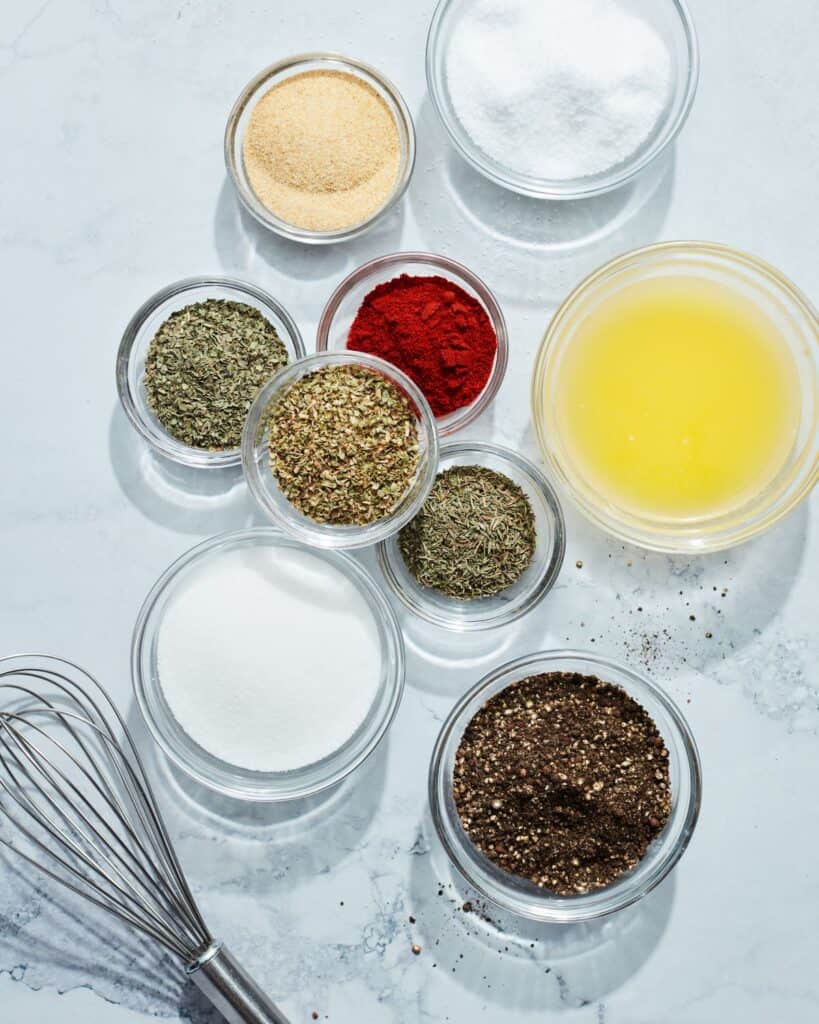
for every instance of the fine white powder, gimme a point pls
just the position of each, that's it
(557, 89)
(269, 658)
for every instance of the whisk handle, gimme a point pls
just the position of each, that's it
(232, 991)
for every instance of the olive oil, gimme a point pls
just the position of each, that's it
(677, 398)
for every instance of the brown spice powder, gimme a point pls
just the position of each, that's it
(562, 779)
(322, 150)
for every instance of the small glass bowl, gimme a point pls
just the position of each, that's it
(669, 18)
(287, 68)
(518, 895)
(534, 584)
(798, 323)
(265, 488)
(139, 334)
(346, 300)
(222, 776)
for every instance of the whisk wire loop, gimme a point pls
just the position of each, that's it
(76, 793)
(92, 851)
(113, 842)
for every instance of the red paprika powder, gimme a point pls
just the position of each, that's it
(434, 331)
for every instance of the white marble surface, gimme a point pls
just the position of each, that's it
(112, 186)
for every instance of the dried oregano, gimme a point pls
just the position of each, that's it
(343, 445)
(204, 367)
(474, 536)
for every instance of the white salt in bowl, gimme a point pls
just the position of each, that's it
(670, 19)
(202, 764)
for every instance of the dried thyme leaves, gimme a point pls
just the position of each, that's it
(474, 536)
(204, 367)
(343, 445)
(562, 779)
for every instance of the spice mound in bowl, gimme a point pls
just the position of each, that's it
(485, 547)
(433, 330)
(562, 779)
(343, 445)
(215, 671)
(191, 361)
(429, 317)
(319, 147)
(474, 536)
(322, 150)
(561, 100)
(339, 449)
(203, 369)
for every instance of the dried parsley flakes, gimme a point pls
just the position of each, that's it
(343, 445)
(203, 369)
(474, 536)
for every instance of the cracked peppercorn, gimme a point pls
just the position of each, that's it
(562, 779)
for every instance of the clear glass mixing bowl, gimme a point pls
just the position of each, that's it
(265, 487)
(346, 300)
(519, 895)
(198, 762)
(798, 325)
(536, 581)
(278, 72)
(669, 18)
(137, 339)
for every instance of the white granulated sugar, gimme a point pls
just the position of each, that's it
(557, 89)
(269, 658)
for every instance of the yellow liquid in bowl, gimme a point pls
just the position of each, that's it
(677, 397)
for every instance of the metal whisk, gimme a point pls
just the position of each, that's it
(74, 788)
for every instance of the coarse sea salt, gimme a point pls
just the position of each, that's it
(269, 657)
(555, 89)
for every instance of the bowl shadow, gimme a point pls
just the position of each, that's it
(245, 246)
(258, 845)
(52, 938)
(520, 965)
(446, 663)
(529, 250)
(677, 612)
(182, 498)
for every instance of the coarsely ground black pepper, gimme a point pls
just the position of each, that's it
(563, 779)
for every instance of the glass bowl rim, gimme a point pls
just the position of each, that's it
(462, 417)
(666, 536)
(329, 535)
(247, 197)
(621, 893)
(552, 565)
(162, 441)
(571, 188)
(266, 786)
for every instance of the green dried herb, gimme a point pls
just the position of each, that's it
(343, 445)
(474, 536)
(204, 367)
